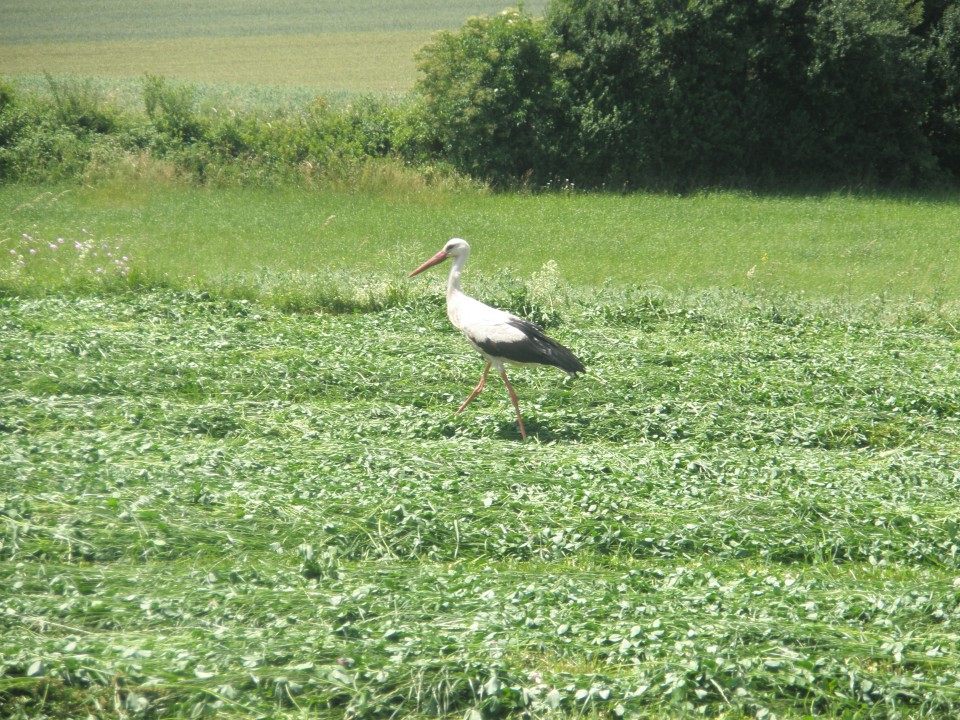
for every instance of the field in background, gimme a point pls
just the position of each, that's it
(323, 45)
(373, 61)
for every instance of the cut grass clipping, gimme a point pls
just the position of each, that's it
(213, 508)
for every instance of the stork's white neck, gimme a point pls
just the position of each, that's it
(453, 282)
(455, 295)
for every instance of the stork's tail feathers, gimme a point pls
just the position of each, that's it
(549, 351)
(568, 362)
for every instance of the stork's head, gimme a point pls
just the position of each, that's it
(455, 248)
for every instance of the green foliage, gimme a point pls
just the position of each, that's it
(212, 508)
(79, 106)
(58, 134)
(673, 94)
(866, 92)
(493, 97)
(944, 119)
(74, 131)
(172, 108)
(7, 96)
(12, 121)
(54, 136)
(715, 91)
(774, 94)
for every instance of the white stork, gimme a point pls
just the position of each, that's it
(497, 335)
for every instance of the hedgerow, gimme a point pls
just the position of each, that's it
(668, 93)
(73, 129)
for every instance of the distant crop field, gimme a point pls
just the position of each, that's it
(329, 45)
(373, 61)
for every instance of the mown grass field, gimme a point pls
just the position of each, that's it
(213, 506)
(361, 47)
(221, 499)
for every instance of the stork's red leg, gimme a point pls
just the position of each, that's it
(476, 390)
(516, 403)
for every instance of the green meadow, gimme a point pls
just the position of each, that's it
(831, 248)
(232, 484)
(213, 508)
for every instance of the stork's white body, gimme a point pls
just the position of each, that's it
(497, 335)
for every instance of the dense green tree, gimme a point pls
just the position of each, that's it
(628, 93)
(492, 98)
(865, 91)
(669, 91)
(943, 124)
(719, 91)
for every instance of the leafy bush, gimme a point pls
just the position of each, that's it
(865, 92)
(11, 123)
(172, 109)
(679, 94)
(79, 106)
(493, 97)
(68, 129)
(7, 95)
(53, 136)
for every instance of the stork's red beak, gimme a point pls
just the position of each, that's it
(435, 260)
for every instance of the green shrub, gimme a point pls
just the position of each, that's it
(7, 95)
(374, 124)
(865, 91)
(80, 106)
(53, 137)
(493, 97)
(669, 93)
(12, 121)
(173, 109)
(716, 90)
